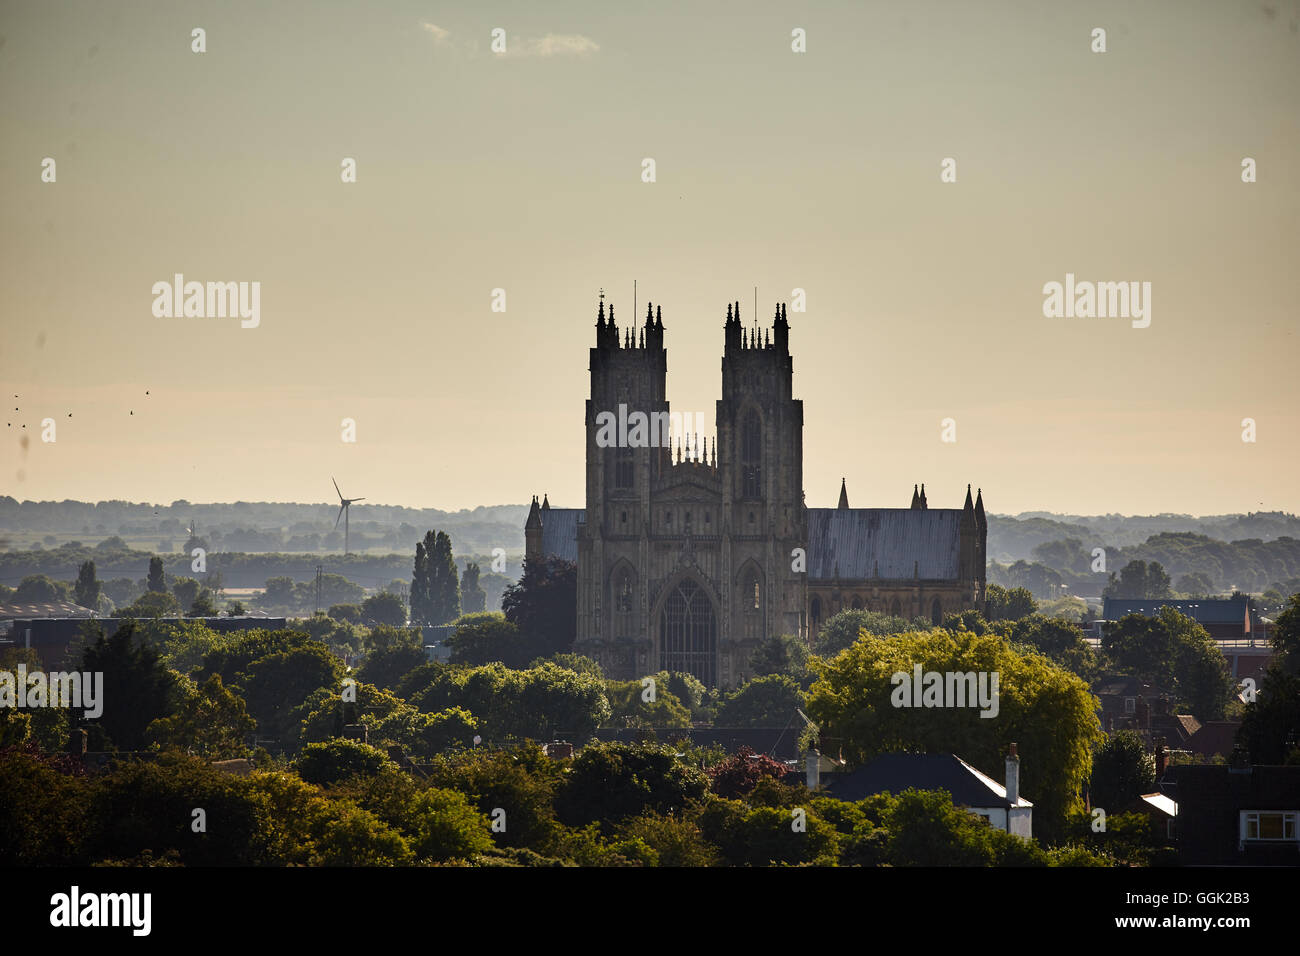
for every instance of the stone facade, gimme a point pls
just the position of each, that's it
(691, 552)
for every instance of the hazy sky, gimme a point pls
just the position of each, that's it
(522, 171)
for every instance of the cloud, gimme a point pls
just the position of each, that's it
(554, 44)
(439, 34)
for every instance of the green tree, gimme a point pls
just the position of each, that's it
(435, 593)
(278, 684)
(610, 782)
(544, 605)
(1047, 710)
(486, 637)
(1270, 728)
(472, 597)
(384, 608)
(785, 654)
(152, 604)
(210, 721)
(629, 706)
(1139, 581)
(137, 688)
(1195, 584)
(87, 590)
(236, 609)
(768, 701)
(203, 605)
(336, 760)
(842, 629)
(346, 612)
(1009, 605)
(1058, 639)
(157, 581)
(186, 590)
(1122, 771)
(1172, 650)
(41, 589)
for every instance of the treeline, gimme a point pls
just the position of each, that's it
(1209, 565)
(1015, 538)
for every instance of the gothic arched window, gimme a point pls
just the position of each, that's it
(936, 612)
(751, 455)
(815, 612)
(896, 609)
(688, 633)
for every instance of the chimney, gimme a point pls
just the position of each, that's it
(1013, 777)
(813, 767)
(1162, 757)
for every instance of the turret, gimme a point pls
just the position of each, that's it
(844, 495)
(781, 331)
(916, 499)
(533, 532)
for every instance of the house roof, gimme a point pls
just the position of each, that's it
(1214, 737)
(560, 532)
(894, 773)
(896, 543)
(1205, 611)
(1162, 803)
(9, 612)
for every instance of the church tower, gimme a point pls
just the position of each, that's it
(760, 462)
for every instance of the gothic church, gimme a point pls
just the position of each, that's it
(688, 557)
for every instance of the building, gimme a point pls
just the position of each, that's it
(690, 551)
(1236, 815)
(51, 637)
(1226, 619)
(1001, 805)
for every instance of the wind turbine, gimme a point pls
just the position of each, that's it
(346, 503)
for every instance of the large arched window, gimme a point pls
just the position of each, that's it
(815, 612)
(751, 456)
(896, 609)
(688, 633)
(936, 612)
(623, 602)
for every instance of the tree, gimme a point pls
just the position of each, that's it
(1009, 605)
(741, 772)
(152, 604)
(435, 594)
(1122, 771)
(1058, 639)
(544, 605)
(1270, 728)
(763, 702)
(87, 589)
(278, 684)
(236, 609)
(186, 590)
(345, 612)
(203, 605)
(472, 597)
(785, 654)
(1139, 581)
(1047, 710)
(486, 637)
(137, 687)
(384, 608)
(157, 580)
(842, 629)
(336, 760)
(1172, 650)
(41, 589)
(211, 721)
(609, 782)
(1197, 584)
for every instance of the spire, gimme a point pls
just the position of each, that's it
(844, 495)
(916, 499)
(979, 508)
(659, 318)
(534, 517)
(924, 503)
(969, 505)
(767, 337)
(642, 338)
(728, 311)
(546, 504)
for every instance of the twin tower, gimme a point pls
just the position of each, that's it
(692, 551)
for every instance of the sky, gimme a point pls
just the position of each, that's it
(819, 170)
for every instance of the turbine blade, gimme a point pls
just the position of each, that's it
(336, 488)
(340, 517)
(358, 499)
